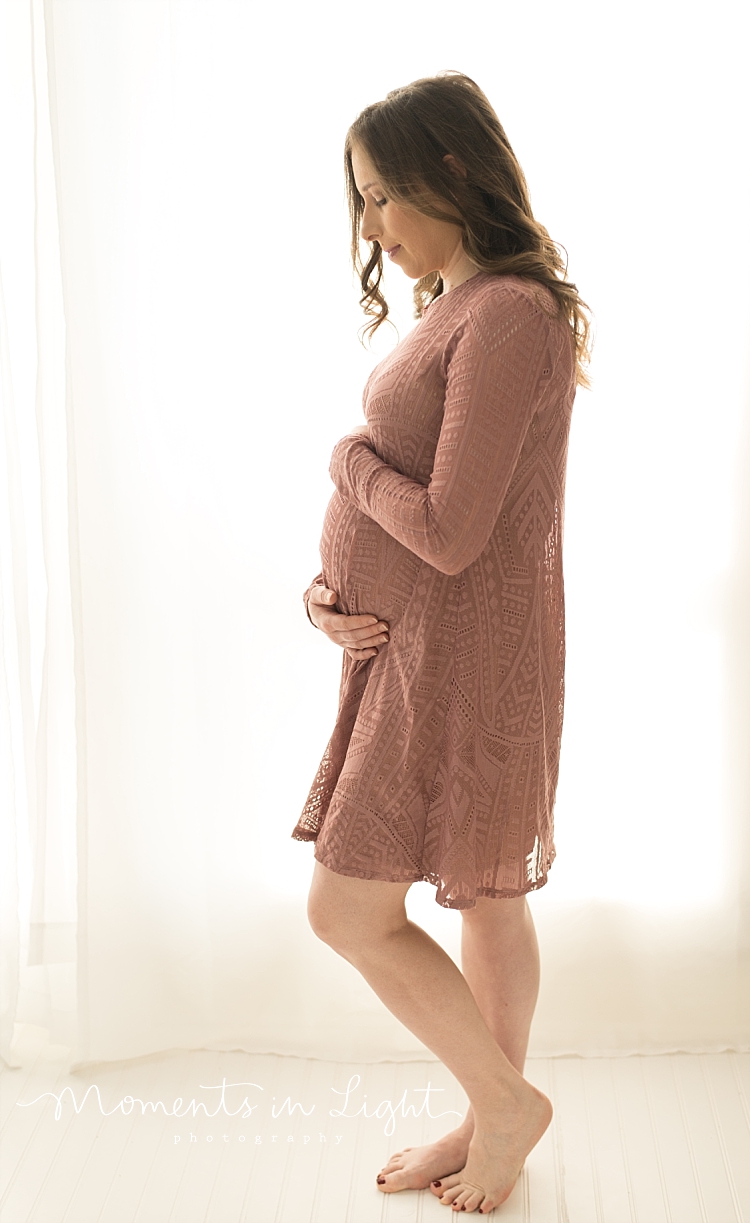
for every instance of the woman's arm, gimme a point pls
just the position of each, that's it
(492, 390)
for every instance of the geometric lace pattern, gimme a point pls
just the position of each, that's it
(447, 522)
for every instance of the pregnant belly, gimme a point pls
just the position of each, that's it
(370, 571)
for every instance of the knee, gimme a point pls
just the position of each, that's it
(326, 921)
(354, 916)
(498, 917)
(351, 930)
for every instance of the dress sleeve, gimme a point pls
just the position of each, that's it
(318, 580)
(491, 393)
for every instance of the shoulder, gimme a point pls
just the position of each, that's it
(506, 304)
(503, 315)
(504, 318)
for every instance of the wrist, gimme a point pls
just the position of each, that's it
(341, 451)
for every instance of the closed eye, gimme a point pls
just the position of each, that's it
(379, 203)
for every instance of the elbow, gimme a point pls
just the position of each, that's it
(454, 560)
(450, 566)
(450, 551)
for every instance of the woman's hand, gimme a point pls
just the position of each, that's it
(361, 429)
(358, 635)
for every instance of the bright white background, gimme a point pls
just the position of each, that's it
(180, 355)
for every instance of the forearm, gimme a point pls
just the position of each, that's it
(491, 392)
(404, 508)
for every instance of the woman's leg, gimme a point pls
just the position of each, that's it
(366, 922)
(500, 962)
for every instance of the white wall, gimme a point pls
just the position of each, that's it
(213, 363)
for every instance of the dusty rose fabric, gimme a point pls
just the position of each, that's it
(443, 762)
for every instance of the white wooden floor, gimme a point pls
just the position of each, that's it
(634, 1140)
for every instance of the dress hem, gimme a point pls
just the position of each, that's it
(433, 878)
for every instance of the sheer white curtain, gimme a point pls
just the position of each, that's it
(179, 358)
(37, 698)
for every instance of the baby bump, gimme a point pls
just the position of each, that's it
(370, 571)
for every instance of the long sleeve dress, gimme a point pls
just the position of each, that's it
(447, 522)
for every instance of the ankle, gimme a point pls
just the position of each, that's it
(502, 1096)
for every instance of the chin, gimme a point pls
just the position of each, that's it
(416, 273)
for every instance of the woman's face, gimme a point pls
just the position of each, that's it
(418, 244)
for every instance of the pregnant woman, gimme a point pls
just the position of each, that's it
(442, 580)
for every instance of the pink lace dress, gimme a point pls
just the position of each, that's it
(448, 524)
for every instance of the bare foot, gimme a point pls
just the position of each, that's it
(501, 1141)
(418, 1167)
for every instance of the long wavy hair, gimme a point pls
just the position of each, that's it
(406, 136)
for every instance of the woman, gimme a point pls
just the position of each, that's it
(442, 581)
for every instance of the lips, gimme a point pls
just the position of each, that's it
(392, 250)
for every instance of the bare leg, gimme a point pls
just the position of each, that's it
(500, 961)
(366, 922)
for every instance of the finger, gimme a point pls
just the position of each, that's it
(365, 637)
(358, 638)
(370, 634)
(356, 622)
(322, 594)
(349, 642)
(357, 654)
(361, 639)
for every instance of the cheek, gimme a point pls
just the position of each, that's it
(425, 242)
(401, 225)
(411, 234)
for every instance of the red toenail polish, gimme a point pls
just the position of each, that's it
(381, 1180)
(437, 1184)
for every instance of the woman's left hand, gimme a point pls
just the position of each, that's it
(360, 429)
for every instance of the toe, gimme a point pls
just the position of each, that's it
(465, 1197)
(448, 1182)
(473, 1199)
(395, 1161)
(449, 1196)
(461, 1198)
(392, 1182)
(393, 1165)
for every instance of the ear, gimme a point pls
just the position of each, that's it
(456, 166)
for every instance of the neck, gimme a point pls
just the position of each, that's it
(459, 269)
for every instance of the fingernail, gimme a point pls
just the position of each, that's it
(437, 1184)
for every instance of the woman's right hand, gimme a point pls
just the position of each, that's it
(358, 635)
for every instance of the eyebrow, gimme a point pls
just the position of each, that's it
(366, 187)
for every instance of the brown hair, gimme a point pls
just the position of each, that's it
(406, 136)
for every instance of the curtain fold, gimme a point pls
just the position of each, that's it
(40, 742)
(178, 359)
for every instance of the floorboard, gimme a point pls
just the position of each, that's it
(269, 1139)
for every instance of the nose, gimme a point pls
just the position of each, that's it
(368, 228)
